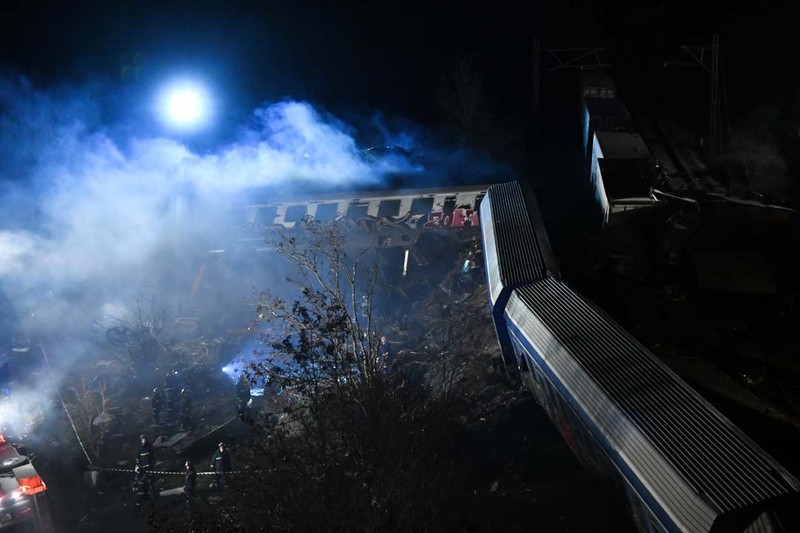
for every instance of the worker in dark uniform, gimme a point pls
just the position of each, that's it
(141, 485)
(221, 463)
(242, 397)
(171, 392)
(146, 457)
(185, 410)
(190, 486)
(661, 175)
(156, 402)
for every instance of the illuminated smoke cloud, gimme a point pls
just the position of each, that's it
(90, 218)
(96, 212)
(24, 411)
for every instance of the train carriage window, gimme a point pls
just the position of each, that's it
(542, 391)
(541, 388)
(519, 351)
(326, 212)
(527, 374)
(553, 396)
(421, 206)
(389, 208)
(265, 215)
(357, 211)
(552, 399)
(294, 213)
(449, 204)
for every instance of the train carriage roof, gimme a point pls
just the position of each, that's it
(516, 246)
(663, 430)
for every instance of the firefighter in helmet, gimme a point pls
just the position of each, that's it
(146, 457)
(221, 463)
(242, 396)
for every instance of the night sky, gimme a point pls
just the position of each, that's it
(371, 56)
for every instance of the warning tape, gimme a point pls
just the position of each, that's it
(129, 470)
(63, 403)
(168, 472)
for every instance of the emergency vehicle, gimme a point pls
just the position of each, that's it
(21, 489)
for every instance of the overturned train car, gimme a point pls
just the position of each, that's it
(682, 464)
(516, 251)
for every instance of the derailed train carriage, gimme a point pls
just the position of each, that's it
(682, 464)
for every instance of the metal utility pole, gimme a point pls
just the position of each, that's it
(537, 57)
(714, 146)
(715, 116)
(662, 23)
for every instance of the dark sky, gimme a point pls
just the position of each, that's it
(377, 54)
(370, 55)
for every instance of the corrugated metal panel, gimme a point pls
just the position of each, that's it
(516, 247)
(627, 445)
(658, 423)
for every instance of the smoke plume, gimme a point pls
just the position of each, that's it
(91, 217)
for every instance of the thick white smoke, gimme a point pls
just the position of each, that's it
(97, 213)
(90, 219)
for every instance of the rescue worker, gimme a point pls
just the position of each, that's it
(146, 457)
(190, 486)
(141, 485)
(185, 410)
(221, 463)
(660, 174)
(156, 402)
(242, 396)
(171, 393)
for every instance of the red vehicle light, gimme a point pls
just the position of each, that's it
(32, 485)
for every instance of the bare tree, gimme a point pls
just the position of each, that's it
(363, 450)
(462, 96)
(468, 106)
(136, 339)
(451, 341)
(90, 404)
(328, 335)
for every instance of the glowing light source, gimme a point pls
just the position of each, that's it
(184, 105)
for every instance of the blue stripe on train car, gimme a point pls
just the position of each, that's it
(657, 510)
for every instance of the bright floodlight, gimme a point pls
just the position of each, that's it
(184, 105)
